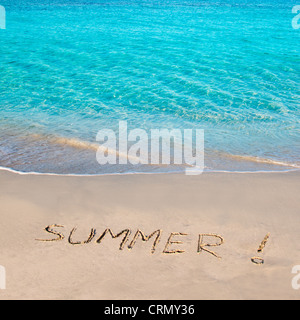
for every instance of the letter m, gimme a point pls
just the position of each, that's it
(2, 18)
(125, 232)
(146, 238)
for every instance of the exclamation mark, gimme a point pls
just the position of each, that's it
(259, 260)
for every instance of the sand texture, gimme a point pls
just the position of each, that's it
(215, 236)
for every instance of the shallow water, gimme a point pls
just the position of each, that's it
(71, 68)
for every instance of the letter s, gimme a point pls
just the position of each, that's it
(295, 281)
(295, 23)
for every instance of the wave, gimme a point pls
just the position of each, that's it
(33, 173)
(211, 156)
(81, 144)
(262, 160)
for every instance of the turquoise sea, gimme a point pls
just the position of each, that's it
(69, 68)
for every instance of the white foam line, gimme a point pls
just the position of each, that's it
(137, 173)
(81, 175)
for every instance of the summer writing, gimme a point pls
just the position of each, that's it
(205, 241)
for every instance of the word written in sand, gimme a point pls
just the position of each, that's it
(206, 241)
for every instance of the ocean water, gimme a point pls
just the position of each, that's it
(71, 68)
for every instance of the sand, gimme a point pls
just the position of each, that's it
(245, 211)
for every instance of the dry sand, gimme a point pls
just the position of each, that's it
(241, 208)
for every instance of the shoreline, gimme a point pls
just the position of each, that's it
(191, 214)
(4, 169)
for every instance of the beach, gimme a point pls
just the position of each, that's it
(232, 212)
(149, 150)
